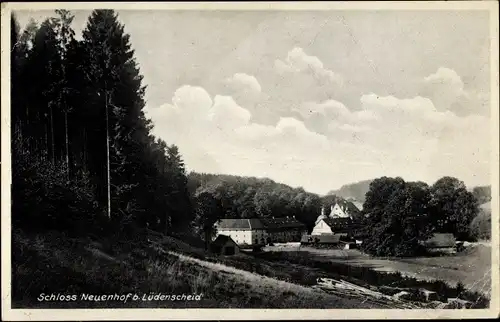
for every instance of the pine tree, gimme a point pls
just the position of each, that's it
(65, 36)
(15, 58)
(21, 77)
(182, 212)
(42, 108)
(113, 73)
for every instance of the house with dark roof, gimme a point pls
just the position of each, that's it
(283, 229)
(224, 245)
(440, 243)
(340, 220)
(322, 241)
(243, 231)
(344, 209)
(333, 226)
(262, 231)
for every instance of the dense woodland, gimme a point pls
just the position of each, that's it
(72, 102)
(77, 120)
(399, 214)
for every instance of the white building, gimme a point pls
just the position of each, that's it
(322, 227)
(262, 231)
(339, 212)
(344, 209)
(339, 219)
(243, 231)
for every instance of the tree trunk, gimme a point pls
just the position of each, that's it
(52, 134)
(84, 149)
(107, 154)
(208, 233)
(46, 152)
(66, 141)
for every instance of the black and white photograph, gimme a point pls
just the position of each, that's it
(341, 158)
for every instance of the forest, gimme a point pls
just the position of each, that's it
(84, 160)
(83, 156)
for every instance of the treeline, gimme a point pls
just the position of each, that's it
(250, 197)
(399, 214)
(76, 120)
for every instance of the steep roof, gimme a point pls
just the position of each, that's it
(348, 207)
(440, 240)
(260, 223)
(339, 223)
(357, 204)
(282, 222)
(320, 217)
(221, 240)
(243, 224)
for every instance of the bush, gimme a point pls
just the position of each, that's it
(44, 198)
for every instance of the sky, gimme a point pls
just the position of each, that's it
(317, 99)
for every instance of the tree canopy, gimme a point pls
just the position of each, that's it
(399, 215)
(86, 101)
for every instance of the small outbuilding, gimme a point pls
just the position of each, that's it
(224, 245)
(323, 241)
(441, 243)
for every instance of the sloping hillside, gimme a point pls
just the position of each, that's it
(55, 263)
(482, 194)
(486, 206)
(355, 190)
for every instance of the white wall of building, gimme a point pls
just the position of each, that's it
(260, 236)
(321, 228)
(239, 236)
(338, 212)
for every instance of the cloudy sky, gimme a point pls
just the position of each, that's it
(317, 99)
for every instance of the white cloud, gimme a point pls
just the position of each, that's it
(326, 141)
(297, 61)
(224, 132)
(192, 97)
(245, 82)
(431, 142)
(446, 76)
(447, 90)
(227, 115)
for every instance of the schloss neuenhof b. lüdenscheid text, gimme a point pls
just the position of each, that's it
(145, 297)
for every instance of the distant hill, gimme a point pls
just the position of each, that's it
(486, 207)
(482, 194)
(358, 190)
(355, 191)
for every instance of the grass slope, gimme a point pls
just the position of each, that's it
(55, 263)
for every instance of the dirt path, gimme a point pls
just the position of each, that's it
(264, 282)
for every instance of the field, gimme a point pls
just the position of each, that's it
(54, 263)
(471, 267)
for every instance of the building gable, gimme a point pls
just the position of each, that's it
(338, 211)
(344, 209)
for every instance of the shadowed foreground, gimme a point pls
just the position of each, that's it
(54, 263)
